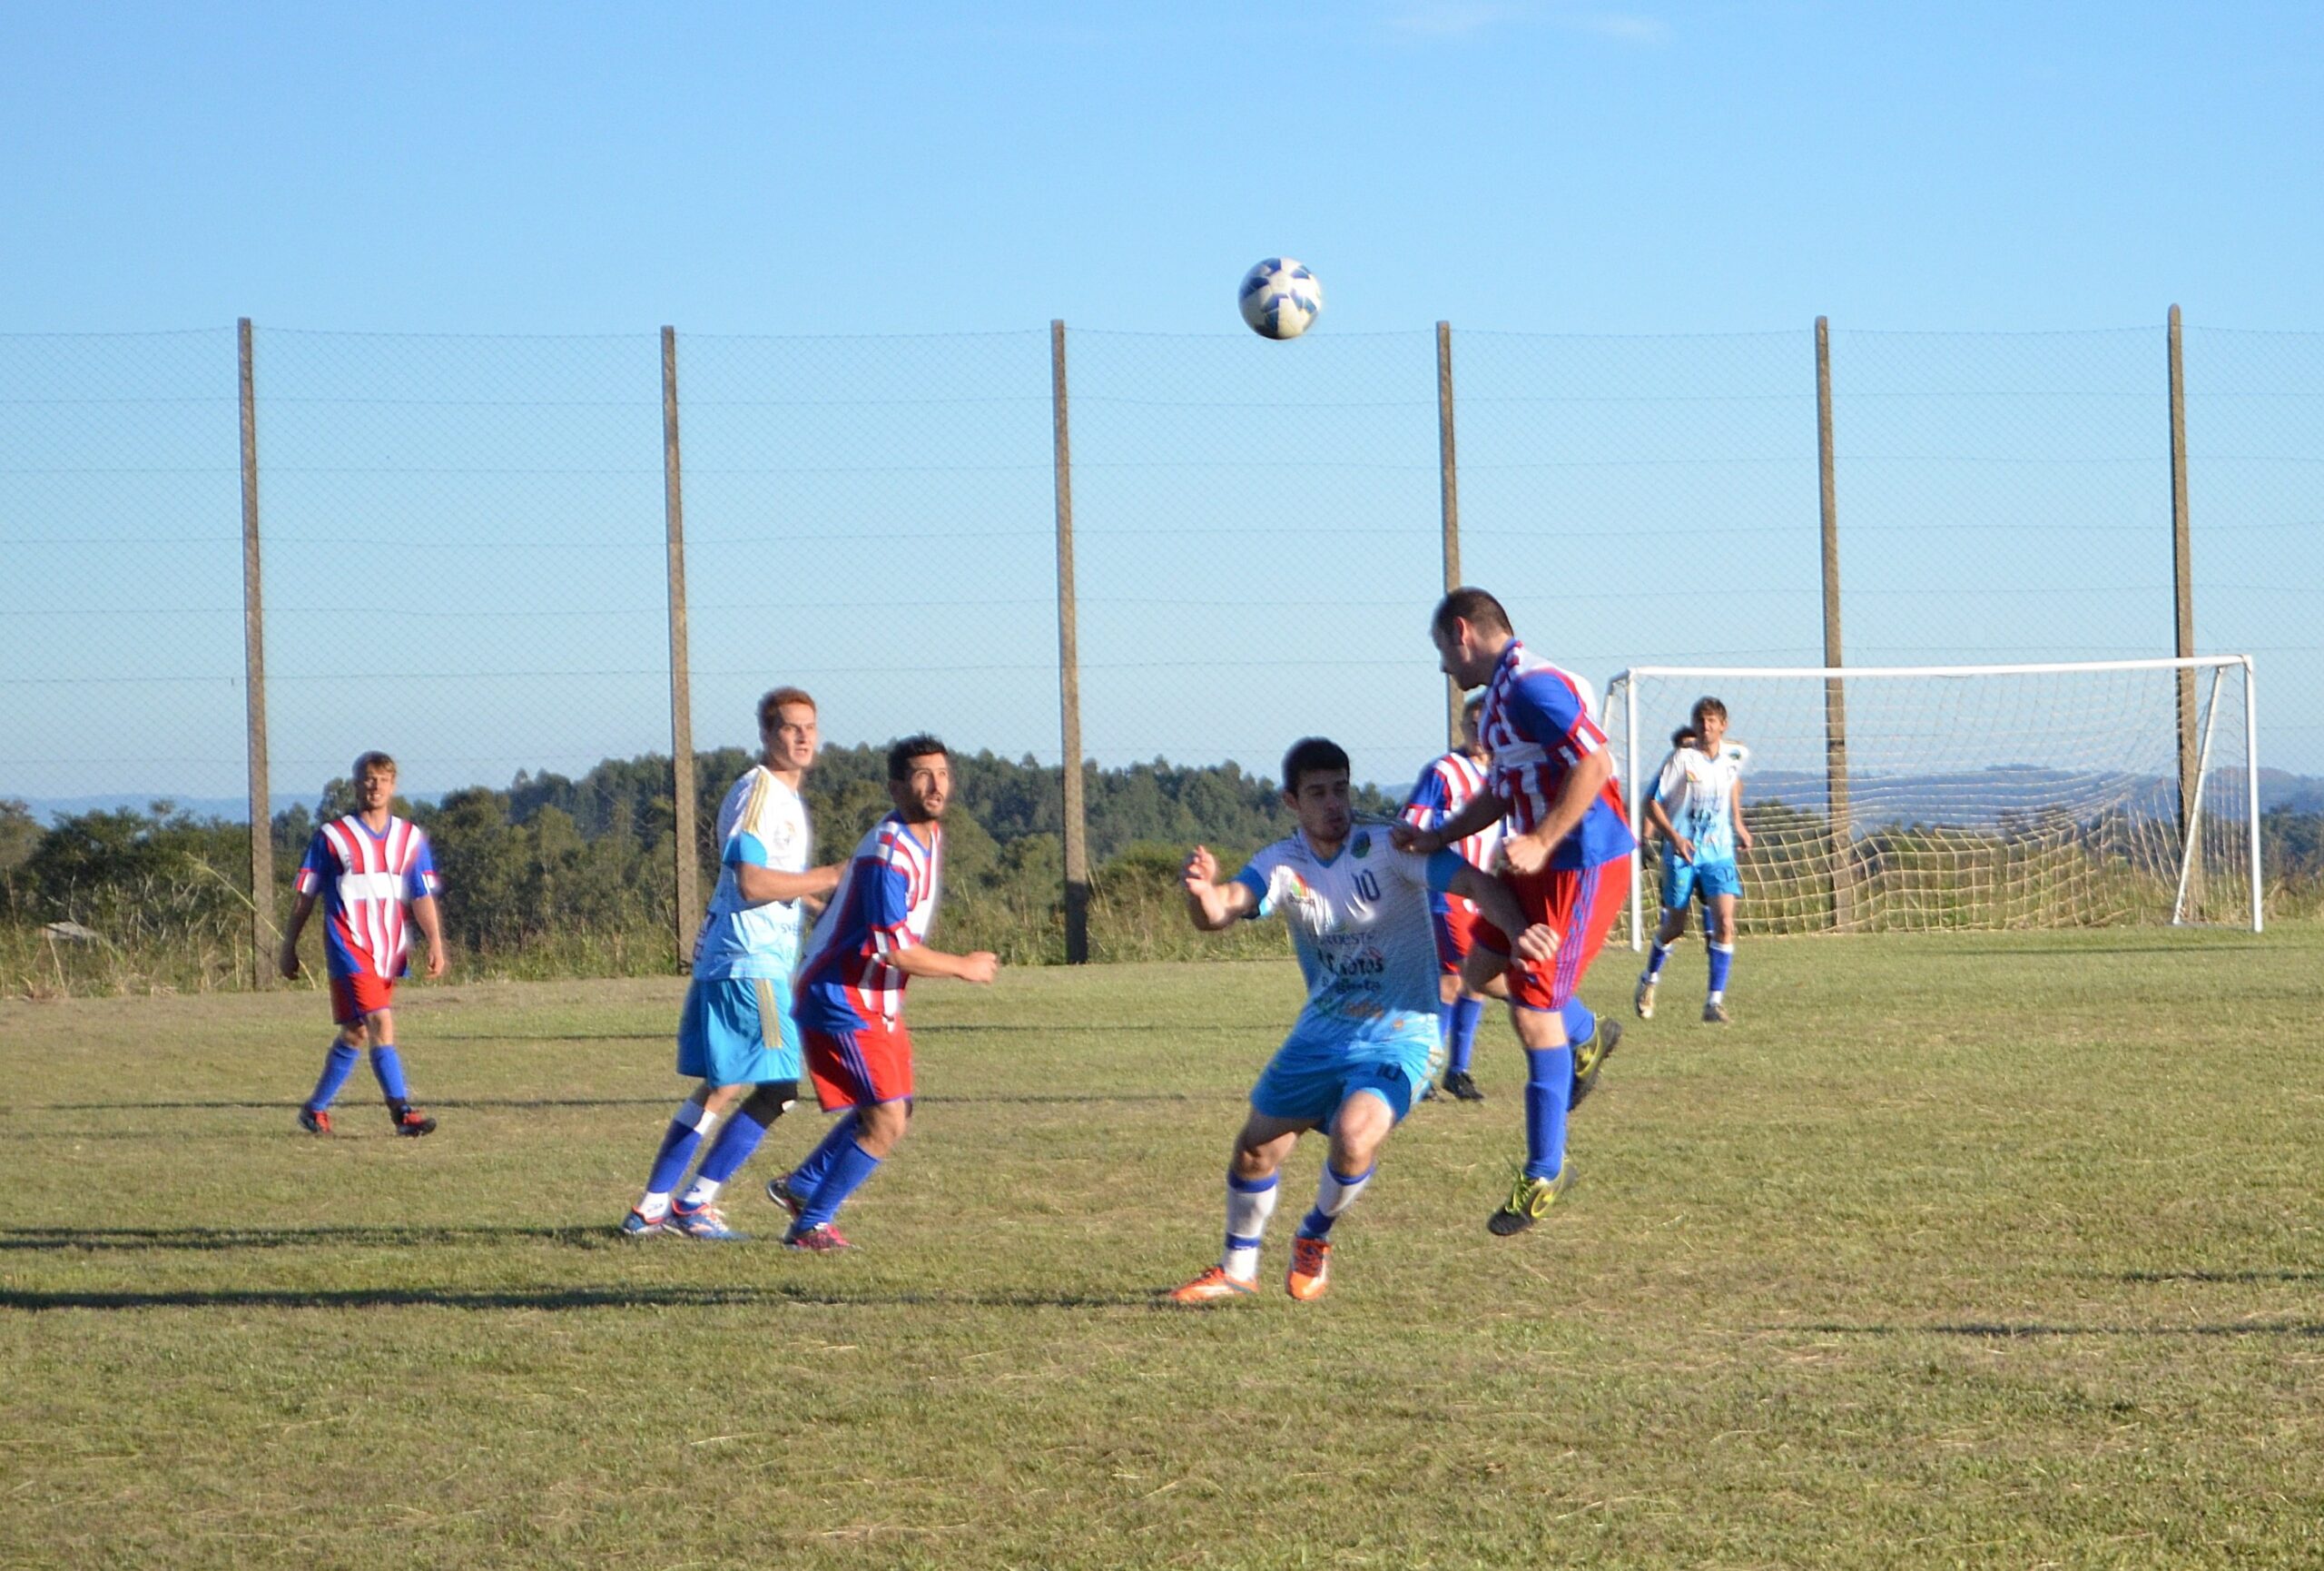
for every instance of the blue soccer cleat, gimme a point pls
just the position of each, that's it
(638, 1225)
(707, 1223)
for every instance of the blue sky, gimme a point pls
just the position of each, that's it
(1539, 168)
(1546, 167)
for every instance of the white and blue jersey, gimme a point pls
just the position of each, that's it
(737, 1028)
(762, 823)
(1698, 791)
(1360, 925)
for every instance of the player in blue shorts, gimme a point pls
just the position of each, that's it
(1698, 807)
(736, 1034)
(1368, 1042)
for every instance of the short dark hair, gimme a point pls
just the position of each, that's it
(1473, 606)
(920, 744)
(1312, 754)
(777, 699)
(1679, 738)
(1474, 706)
(1706, 704)
(368, 762)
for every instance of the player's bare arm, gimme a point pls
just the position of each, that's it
(765, 885)
(980, 967)
(1530, 852)
(1735, 815)
(431, 920)
(1211, 905)
(300, 909)
(1537, 941)
(1481, 812)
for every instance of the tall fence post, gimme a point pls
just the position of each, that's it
(1068, 672)
(2182, 582)
(1449, 491)
(1836, 699)
(262, 928)
(681, 786)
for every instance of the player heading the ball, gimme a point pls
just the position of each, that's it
(1554, 781)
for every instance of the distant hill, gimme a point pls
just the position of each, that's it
(1983, 796)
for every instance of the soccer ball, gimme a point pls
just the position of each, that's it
(1281, 298)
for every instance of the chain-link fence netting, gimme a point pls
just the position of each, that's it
(2002, 498)
(1644, 499)
(121, 607)
(465, 561)
(1256, 544)
(2255, 464)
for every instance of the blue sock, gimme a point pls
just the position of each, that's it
(809, 1175)
(677, 1148)
(1580, 1025)
(1548, 1082)
(388, 1069)
(1654, 959)
(1447, 1024)
(732, 1147)
(338, 1065)
(1722, 961)
(1465, 1015)
(850, 1167)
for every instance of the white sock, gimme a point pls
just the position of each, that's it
(1334, 1194)
(654, 1207)
(1248, 1211)
(1719, 995)
(701, 1192)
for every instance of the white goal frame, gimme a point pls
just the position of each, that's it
(1627, 682)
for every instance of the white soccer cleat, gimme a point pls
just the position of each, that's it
(1643, 1000)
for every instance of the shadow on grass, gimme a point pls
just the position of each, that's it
(219, 1238)
(2228, 1277)
(436, 1103)
(364, 1109)
(774, 1295)
(2028, 1330)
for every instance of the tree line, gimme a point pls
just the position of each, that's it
(558, 876)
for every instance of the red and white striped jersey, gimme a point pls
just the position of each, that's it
(1444, 787)
(885, 902)
(1537, 721)
(365, 878)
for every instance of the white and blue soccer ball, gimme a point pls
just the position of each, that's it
(1281, 298)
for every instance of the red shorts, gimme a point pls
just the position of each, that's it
(1580, 904)
(353, 998)
(1456, 930)
(857, 1068)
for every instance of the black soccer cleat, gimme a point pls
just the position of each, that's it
(411, 1122)
(1462, 1086)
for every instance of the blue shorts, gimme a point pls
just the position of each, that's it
(737, 1031)
(1681, 881)
(1319, 1066)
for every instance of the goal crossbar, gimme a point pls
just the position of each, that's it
(1626, 684)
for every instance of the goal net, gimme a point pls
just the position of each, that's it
(1903, 798)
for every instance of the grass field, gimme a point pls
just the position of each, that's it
(1977, 1250)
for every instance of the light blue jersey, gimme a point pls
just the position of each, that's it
(1360, 925)
(1698, 791)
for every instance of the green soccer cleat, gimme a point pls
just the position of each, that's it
(1590, 1058)
(1529, 1201)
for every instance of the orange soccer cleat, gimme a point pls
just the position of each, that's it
(1311, 1269)
(1211, 1287)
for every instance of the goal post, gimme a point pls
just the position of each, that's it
(1968, 796)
